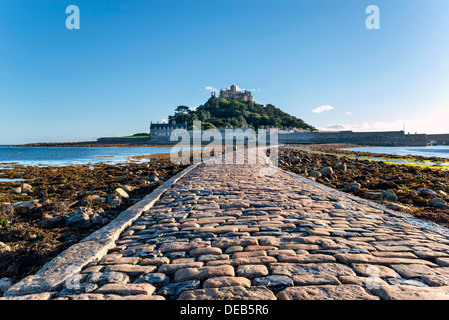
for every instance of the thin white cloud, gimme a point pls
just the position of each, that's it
(346, 127)
(395, 125)
(322, 109)
(348, 112)
(251, 90)
(211, 89)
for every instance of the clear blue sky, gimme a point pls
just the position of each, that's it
(132, 62)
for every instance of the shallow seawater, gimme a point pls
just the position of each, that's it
(11, 156)
(440, 152)
(428, 151)
(12, 180)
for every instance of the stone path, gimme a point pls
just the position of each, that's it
(233, 232)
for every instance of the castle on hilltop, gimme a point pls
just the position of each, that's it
(234, 94)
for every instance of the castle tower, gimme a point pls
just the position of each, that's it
(233, 93)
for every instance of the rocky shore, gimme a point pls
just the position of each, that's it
(55, 207)
(418, 190)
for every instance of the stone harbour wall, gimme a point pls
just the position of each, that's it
(440, 138)
(393, 138)
(388, 138)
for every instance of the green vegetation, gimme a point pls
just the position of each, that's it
(3, 223)
(134, 136)
(137, 136)
(220, 113)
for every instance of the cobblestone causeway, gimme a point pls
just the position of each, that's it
(232, 232)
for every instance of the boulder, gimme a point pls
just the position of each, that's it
(17, 190)
(427, 193)
(374, 195)
(121, 193)
(353, 187)
(88, 211)
(129, 188)
(50, 222)
(114, 200)
(5, 284)
(25, 186)
(100, 200)
(78, 220)
(153, 178)
(438, 203)
(314, 174)
(96, 219)
(326, 171)
(385, 185)
(4, 247)
(89, 199)
(342, 167)
(390, 195)
(26, 204)
(441, 193)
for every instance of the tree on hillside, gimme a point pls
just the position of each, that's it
(182, 110)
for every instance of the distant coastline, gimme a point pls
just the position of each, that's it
(90, 144)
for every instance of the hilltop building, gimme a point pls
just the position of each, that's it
(234, 94)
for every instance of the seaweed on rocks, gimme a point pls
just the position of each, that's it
(59, 206)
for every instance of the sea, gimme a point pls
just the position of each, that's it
(428, 151)
(64, 156)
